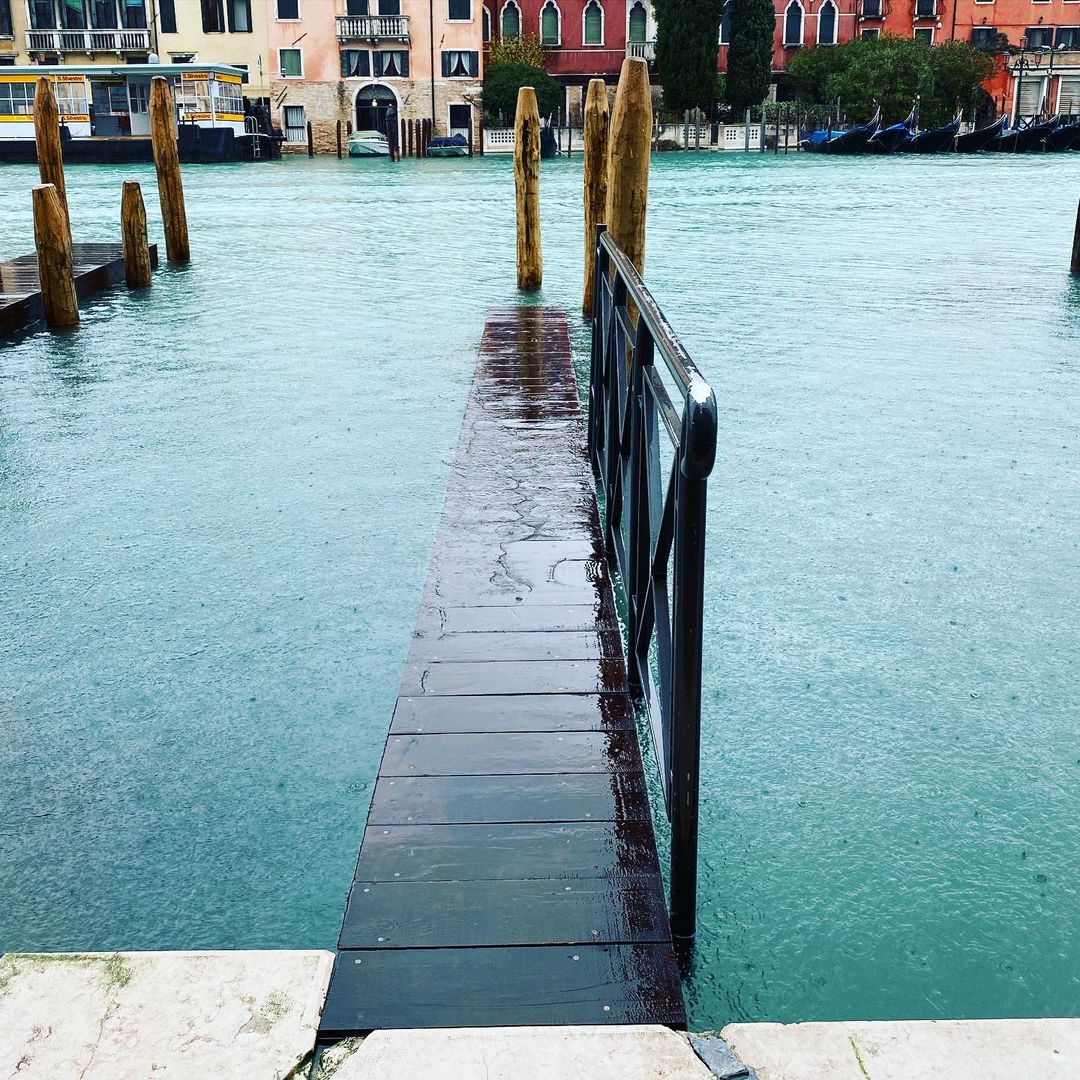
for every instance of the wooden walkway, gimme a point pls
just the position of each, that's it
(96, 267)
(508, 872)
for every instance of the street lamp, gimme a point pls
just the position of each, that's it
(1023, 64)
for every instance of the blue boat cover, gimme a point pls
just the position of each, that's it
(449, 140)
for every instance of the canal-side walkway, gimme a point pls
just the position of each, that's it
(508, 873)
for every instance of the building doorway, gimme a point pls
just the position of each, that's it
(376, 108)
(461, 120)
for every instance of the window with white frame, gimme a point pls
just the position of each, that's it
(592, 24)
(486, 23)
(230, 99)
(638, 27)
(725, 25)
(291, 63)
(391, 63)
(287, 10)
(17, 99)
(510, 24)
(793, 24)
(869, 33)
(71, 98)
(139, 97)
(826, 27)
(1068, 38)
(295, 123)
(459, 10)
(550, 24)
(924, 34)
(460, 63)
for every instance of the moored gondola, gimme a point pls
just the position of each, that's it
(886, 140)
(932, 141)
(1023, 140)
(852, 140)
(972, 142)
(1064, 136)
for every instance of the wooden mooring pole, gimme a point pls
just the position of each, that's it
(50, 152)
(310, 141)
(628, 160)
(530, 256)
(55, 276)
(167, 163)
(339, 140)
(1075, 266)
(595, 135)
(137, 269)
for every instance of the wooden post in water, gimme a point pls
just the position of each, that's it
(628, 161)
(339, 140)
(167, 163)
(137, 269)
(1075, 267)
(310, 141)
(50, 153)
(595, 134)
(530, 256)
(59, 299)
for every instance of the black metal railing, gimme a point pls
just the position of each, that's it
(655, 530)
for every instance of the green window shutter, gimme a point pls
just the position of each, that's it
(474, 64)
(446, 65)
(594, 24)
(549, 25)
(638, 24)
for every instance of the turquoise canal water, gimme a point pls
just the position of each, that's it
(218, 501)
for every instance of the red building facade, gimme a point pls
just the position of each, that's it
(590, 38)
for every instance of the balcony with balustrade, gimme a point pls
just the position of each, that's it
(373, 28)
(89, 42)
(642, 50)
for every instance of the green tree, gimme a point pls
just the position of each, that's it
(892, 72)
(502, 82)
(749, 64)
(526, 49)
(687, 33)
(959, 70)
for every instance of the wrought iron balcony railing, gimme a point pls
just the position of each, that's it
(87, 41)
(373, 27)
(655, 529)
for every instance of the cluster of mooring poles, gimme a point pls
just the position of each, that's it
(52, 222)
(616, 154)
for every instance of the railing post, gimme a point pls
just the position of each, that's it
(596, 355)
(639, 555)
(688, 585)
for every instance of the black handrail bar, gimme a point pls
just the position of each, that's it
(648, 526)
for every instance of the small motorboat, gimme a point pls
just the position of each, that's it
(448, 146)
(972, 142)
(886, 140)
(852, 140)
(368, 144)
(933, 140)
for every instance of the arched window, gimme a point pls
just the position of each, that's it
(793, 24)
(511, 21)
(826, 25)
(549, 24)
(486, 17)
(725, 25)
(639, 21)
(593, 29)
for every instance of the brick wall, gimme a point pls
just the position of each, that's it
(325, 103)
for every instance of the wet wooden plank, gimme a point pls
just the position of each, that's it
(510, 753)
(513, 677)
(455, 914)
(497, 987)
(490, 852)
(519, 645)
(523, 712)
(551, 797)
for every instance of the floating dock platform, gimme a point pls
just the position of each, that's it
(97, 267)
(508, 872)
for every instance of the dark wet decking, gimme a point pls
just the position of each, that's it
(508, 872)
(96, 268)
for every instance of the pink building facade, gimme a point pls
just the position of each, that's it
(373, 63)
